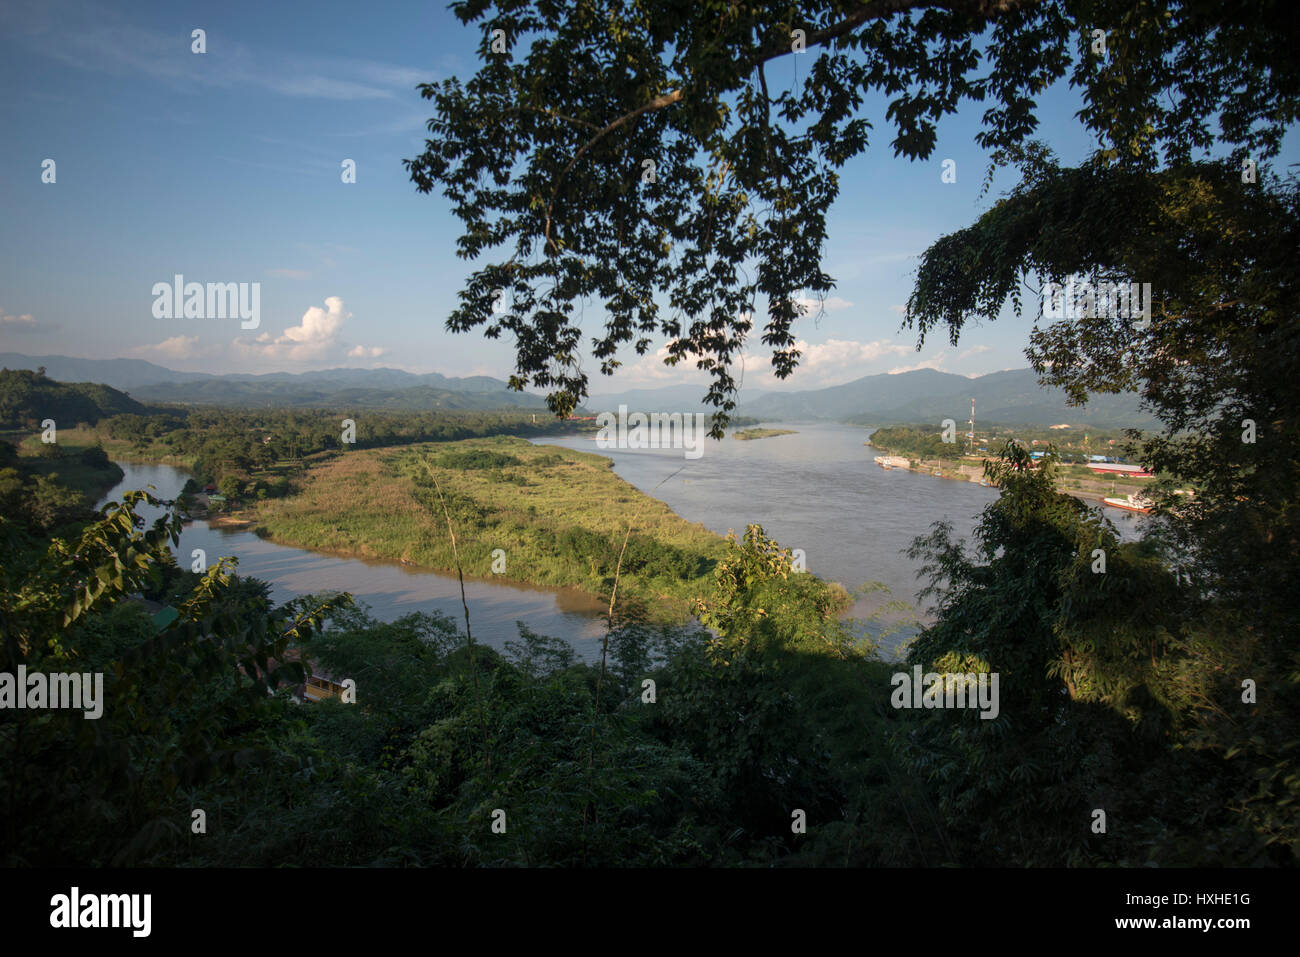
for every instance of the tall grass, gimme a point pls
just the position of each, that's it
(556, 515)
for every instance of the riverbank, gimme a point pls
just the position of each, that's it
(520, 512)
(1076, 480)
(746, 435)
(71, 462)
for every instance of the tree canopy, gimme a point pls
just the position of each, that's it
(641, 157)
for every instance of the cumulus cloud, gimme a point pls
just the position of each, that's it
(973, 351)
(840, 352)
(318, 326)
(317, 337)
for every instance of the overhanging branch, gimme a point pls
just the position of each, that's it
(658, 103)
(880, 9)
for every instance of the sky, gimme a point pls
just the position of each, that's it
(226, 166)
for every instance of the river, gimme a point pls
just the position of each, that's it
(818, 490)
(389, 588)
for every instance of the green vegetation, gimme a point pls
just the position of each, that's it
(29, 398)
(924, 446)
(747, 434)
(1070, 446)
(1156, 680)
(560, 517)
(594, 768)
(46, 489)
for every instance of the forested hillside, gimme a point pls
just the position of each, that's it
(27, 398)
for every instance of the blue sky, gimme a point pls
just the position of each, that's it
(225, 167)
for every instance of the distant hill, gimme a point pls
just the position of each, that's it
(229, 391)
(925, 395)
(366, 388)
(676, 398)
(28, 398)
(865, 395)
(1015, 398)
(124, 374)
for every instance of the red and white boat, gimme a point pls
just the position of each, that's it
(1130, 503)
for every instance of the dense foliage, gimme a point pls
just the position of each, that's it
(685, 154)
(217, 442)
(29, 398)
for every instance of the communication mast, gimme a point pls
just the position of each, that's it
(970, 435)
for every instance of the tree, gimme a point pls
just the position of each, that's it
(52, 504)
(180, 707)
(230, 487)
(1219, 364)
(638, 152)
(1102, 678)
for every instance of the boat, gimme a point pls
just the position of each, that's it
(1130, 503)
(1118, 468)
(892, 461)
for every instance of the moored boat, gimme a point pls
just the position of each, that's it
(1130, 503)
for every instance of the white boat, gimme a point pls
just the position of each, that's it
(1131, 503)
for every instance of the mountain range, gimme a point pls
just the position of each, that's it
(924, 395)
(364, 388)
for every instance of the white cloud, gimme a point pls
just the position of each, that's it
(177, 347)
(832, 362)
(934, 362)
(973, 351)
(15, 322)
(649, 372)
(900, 310)
(839, 352)
(315, 338)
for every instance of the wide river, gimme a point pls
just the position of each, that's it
(818, 490)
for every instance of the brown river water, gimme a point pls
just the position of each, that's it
(818, 490)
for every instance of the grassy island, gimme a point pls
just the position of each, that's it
(559, 516)
(745, 435)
